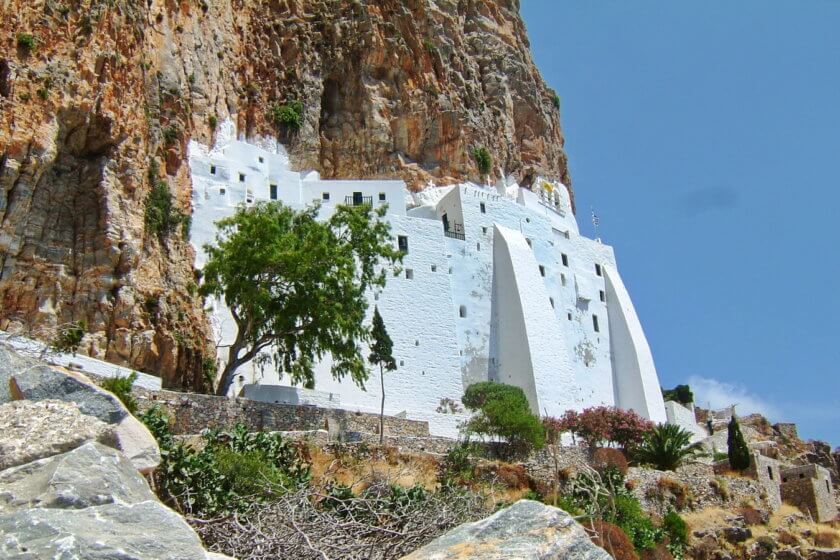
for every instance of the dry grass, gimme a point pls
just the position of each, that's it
(404, 469)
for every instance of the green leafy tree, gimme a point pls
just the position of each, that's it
(666, 447)
(681, 394)
(295, 285)
(739, 452)
(503, 410)
(381, 353)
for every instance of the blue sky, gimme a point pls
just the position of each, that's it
(706, 136)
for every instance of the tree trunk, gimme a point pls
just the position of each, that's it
(382, 406)
(232, 365)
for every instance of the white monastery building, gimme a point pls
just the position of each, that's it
(497, 284)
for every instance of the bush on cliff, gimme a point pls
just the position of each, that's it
(121, 387)
(600, 425)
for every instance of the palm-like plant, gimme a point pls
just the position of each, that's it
(666, 447)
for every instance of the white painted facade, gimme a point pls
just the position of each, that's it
(683, 416)
(510, 291)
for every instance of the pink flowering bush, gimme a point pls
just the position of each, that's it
(600, 425)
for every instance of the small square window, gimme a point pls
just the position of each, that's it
(565, 258)
(483, 208)
(603, 295)
(434, 268)
(542, 271)
(241, 177)
(212, 170)
(325, 196)
(222, 190)
(261, 159)
(272, 191)
(402, 243)
(595, 323)
(484, 230)
(409, 274)
(382, 197)
(598, 269)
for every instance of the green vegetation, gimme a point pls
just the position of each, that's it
(68, 337)
(681, 394)
(458, 466)
(213, 121)
(555, 100)
(483, 160)
(233, 471)
(430, 47)
(297, 285)
(288, 116)
(666, 447)
(26, 41)
(170, 134)
(161, 217)
(381, 354)
(739, 452)
(677, 531)
(503, 411)
(121, 387)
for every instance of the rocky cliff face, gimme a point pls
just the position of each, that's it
(99, 98)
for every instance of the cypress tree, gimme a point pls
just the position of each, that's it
(381, 350)
(739, 453)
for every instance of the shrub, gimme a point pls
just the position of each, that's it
(161, 217)
(608, 457)
(738, 452)
(213, 121)
(638, 526)
(170, 134)
(289, 116)
(483, 160)
(503, 410)
(26, 41)
(429, 46)
(679, 491)
(721, 486)
(121, 387)
(458, 465)
(68, 337)
(612, 539)
(676, 529)
(604, 424)
(666, 447)
(555, 100)
(681, 394)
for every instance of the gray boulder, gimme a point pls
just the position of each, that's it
(527, 530)
(144, 531)
(11, 363)
(90, 475)
(43, 382)
(33, 430)
(137, 443)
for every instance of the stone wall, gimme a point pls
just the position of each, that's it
(809, 488)
(191, 413)
(766, 471)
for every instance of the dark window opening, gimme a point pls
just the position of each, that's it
(273, 192)
(261, 159)
(542, 271)
(595, 323)
(565, 258)
(409, 274)
(222, 191)
(241, 177)
(212, 170)
(569, 316)
(402, 243)
(325, 196)
(483, 208)
(598, 269)
(603, 295)
(434, 268)
(382, 197)
(551, 301)
(462, 311)
(770, 472)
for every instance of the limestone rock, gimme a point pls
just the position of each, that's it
(524, 531)
(144, 531)
(138, 444)
(34, 430)
(11, 363)
(43, 382)
(90, 475)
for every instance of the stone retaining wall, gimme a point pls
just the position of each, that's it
(192, 412)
